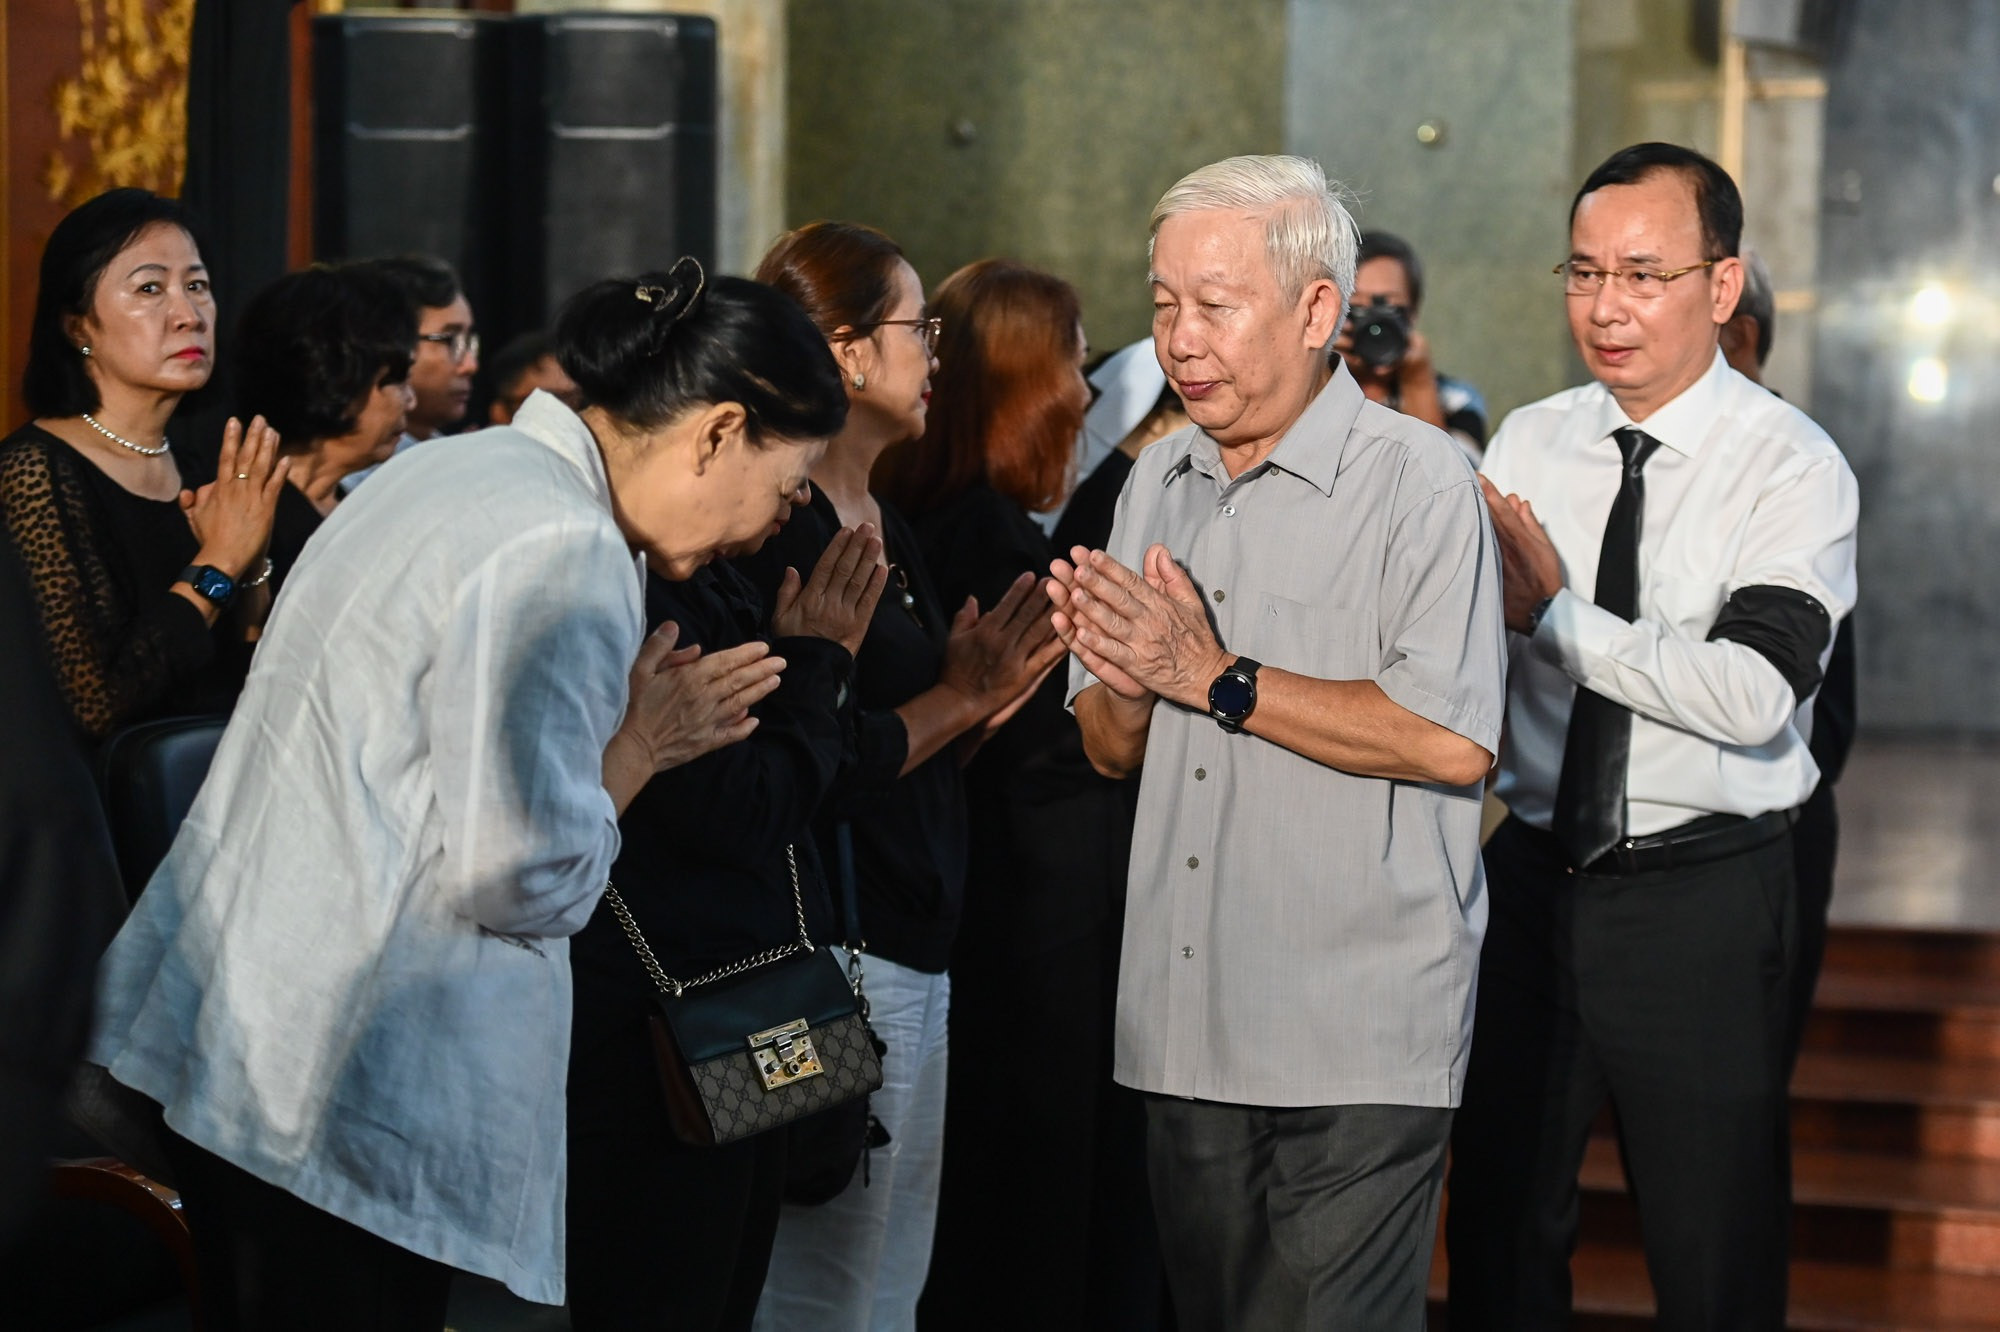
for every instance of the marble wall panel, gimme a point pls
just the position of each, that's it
(1039, 129)
(1485, 204)
(1907, 349)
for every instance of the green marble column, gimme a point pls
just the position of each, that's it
(1040, 129)
(1486, 200)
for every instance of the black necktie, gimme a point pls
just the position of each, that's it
(1590, 797)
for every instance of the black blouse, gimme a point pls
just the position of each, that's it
(909, 831)
(1050, 837)
(291, 527)
(1086, 520)
(102, 561)
(702, 863)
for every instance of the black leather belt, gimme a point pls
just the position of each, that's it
(1696, 842)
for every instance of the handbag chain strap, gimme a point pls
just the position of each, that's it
(674, 988)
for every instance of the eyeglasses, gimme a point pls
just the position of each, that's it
(927, 329)
(1639, 283)
(461, 344)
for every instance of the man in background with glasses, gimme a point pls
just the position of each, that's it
(1677, 546)
(447, 349)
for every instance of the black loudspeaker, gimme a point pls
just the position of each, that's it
(409, 150)
(614, 150)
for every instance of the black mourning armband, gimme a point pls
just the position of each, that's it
(1781, 624)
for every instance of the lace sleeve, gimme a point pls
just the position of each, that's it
(112, 657)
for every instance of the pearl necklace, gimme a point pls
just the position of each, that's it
(91, 421)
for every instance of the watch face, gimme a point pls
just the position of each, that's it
(1231, 695)
(215, 585)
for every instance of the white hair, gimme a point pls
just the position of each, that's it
(1308, 232)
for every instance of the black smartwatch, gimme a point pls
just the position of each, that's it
(217, 587)
(1233, 696)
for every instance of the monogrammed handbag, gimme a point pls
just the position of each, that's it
(767, 1040)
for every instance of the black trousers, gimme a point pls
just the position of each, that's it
(271, 1263)
(1670, 992)
(1815, 842)
(1276, 1220)
(1044, 1156)
(659, 1234)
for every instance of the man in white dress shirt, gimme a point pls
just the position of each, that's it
(1678, 545)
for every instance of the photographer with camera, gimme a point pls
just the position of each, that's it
(1390, 359)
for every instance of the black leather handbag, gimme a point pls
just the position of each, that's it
(767, 1040)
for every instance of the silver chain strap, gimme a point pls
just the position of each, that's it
(674, 988)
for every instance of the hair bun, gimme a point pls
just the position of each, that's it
(673, 297)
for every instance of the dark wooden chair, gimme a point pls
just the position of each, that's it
(148, 776)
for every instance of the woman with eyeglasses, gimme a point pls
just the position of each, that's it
(931, 680)
(348, 985)
(1043, 1174)
(147, 582)
(324, 356)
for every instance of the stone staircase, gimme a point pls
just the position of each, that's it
(1896, 1151)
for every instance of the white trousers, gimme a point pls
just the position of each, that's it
(857, 1263)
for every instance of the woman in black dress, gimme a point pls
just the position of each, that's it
(147, 589)
(324, 356)
(925, 677)
(716, 864)
(1043, 1173)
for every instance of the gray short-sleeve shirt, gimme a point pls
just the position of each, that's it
(1297, 935)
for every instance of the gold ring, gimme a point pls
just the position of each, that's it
(243, 476)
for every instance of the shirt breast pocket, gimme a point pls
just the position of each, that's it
(1327, 642)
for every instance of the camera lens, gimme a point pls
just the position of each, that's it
(1380, 333)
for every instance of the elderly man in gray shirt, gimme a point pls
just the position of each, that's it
(1306, 901)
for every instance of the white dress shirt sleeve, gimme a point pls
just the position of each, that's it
(1800, 535)
(528, 687)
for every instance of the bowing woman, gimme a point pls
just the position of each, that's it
(348, 985)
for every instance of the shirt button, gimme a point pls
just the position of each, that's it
(1201, 774)
(1194, 862)
(1220, 595)
(1187, 951)
(1229, 511)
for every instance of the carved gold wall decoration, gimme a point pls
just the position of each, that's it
(128, 103)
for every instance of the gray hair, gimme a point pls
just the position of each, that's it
(1758, 301)
(1308, 233)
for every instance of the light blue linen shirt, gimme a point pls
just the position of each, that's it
(350, 977)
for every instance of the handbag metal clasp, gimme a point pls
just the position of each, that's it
(785, 1054)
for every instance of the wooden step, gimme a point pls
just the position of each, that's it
(1954, 1019)
(1896, 1106)
(1849, 1208)
(1612, 1290)
(1893, 950)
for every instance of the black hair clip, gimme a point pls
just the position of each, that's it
(679, 301)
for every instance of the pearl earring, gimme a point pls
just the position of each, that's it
(84, 350)
(860, 381)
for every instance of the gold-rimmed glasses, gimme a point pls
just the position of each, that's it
(1643, 284)
(927, 329)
